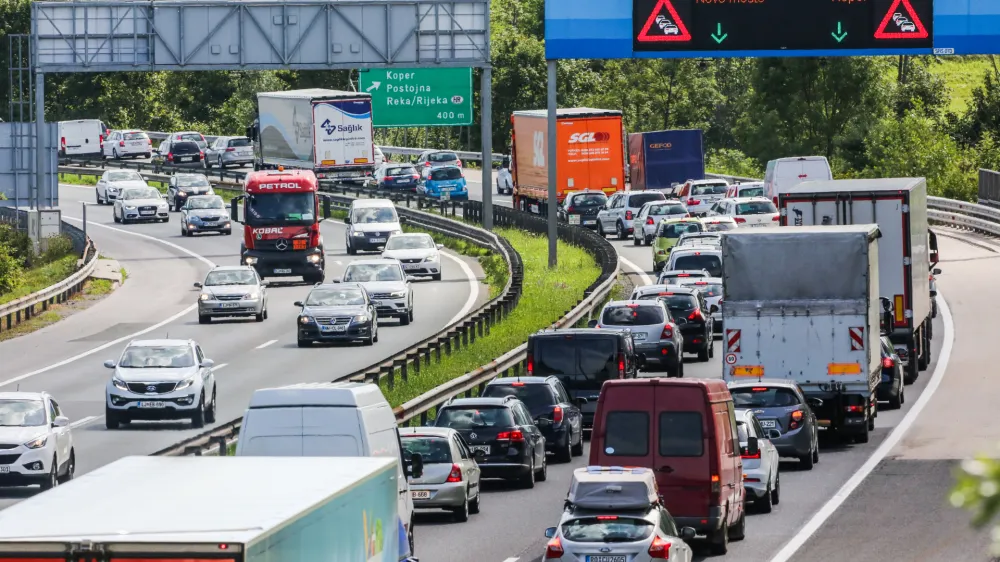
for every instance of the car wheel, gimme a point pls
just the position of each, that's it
(304, 343)
(221, 165)
(350, 250)
(147, 155)
(739, 531)
(265, 312)
(475, 505)
(543, 474)
(260, 316)
(462, 512)
(114, 215)
(649, 240)
(815, 455)
(600, 229)
(184, 231)
(703, 353)
(97, 195)
(711, 344)
(227, 232)
(764, 504)
(111, 419)
(565, 454)
(807, 461)
(902, 395)
(203, 319)
(53, 479)
(895, 401)
(404, 320)
(212, 409)
(528, 480)
(720, 541)
(198, 417)
(776, 492)
(620, 230)
(636, 241)
(114, 154)
(577, 450)
(70, 467)
(436, 277)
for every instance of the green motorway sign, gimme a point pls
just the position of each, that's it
(419, 97)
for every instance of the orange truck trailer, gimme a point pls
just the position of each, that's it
(590, 154)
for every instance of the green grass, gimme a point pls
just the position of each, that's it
(98, 287)
(547, 295)
(124, 273)
(77, 179)
(93, 290)
(961, 75)
(38, 278)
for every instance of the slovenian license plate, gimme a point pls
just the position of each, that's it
(606, 558)
(639, 336)
(590, 221)
(376, 240)
(152, 404)
(334, 329)
(768, 424)
(282, 271)
(4, 469)
(411, 266)
(420, 494)
(186, 159)
(146, 213)
(483, 448)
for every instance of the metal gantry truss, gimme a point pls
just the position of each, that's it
(117, 35)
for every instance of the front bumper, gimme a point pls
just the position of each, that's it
(22, 466)
(447, 495)
(176, 405)
(291, 263)
(390, 307)
(660, 353)
(221, 308)
(355, 331)
(216, 226)
(134, 215)
(423, 268)
(367, 243)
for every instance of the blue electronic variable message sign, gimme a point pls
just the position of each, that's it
(609, 29)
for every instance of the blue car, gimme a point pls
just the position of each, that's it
(444, 179)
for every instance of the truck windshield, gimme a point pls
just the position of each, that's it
(280, 208)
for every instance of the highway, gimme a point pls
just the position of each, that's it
(157, 301)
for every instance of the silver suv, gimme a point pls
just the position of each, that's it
(387, 285)
(654, 333)
(232, 290)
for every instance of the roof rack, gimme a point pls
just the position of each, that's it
(612, 487)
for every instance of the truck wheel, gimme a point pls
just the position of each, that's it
(863, 436)
(912, 372)
(720, 540)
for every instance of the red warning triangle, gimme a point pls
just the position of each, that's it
(669, 26)
(903, 27)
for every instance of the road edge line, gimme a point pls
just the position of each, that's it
(646, 279)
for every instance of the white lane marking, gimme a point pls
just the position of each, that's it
(338, 262)
(883, 450)
(265, 344)
(469, 274)
(511, 560)
(220, 366)
(131, 336)
(645, 278)
(84, 421)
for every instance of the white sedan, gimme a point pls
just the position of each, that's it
(747, 211)
(133, 144)
(113, 182)
(38, 441)
(760, 461)
(140, 204)
(645, 223)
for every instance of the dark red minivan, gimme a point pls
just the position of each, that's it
(685, 431)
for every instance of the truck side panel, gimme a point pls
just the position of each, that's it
(531, 152)
(920, 253)
(343, 133)
(286, 135)
(360, 524)
(672, 156)
(636, 162)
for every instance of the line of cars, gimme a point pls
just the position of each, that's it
(437, 174)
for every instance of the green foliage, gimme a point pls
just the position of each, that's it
(978, 490)
(18, 245)
(56, 248)
(10, 270)
(732, 162)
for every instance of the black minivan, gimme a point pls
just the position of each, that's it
(582, 359)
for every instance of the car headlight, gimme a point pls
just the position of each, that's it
(362, 318)
(394, 232)
(432, 258)
(397, 294)
(251, 296)
(37, 443)
(357, 233)
(184, 384)
(305, 319)
(205, 297)
(129, 207)
(119, 384)
(163, 204)
(250, 260)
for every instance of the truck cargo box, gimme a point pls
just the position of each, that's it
(659, 159)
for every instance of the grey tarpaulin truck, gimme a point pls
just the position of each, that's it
(899, 207)
(802, 304)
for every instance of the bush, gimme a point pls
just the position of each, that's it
(18, 245)
(732, 163)
(10, 270)
(57, 247)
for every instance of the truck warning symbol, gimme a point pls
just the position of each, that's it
(663, 24)
(901, 22)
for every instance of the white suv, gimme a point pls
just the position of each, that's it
(160, 380)
(36, 442)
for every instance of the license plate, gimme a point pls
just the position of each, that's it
(411, 266)
(590, 221)
(282, 271)
(376, 240)
(768, 424)
(229, 305)
(607, 558)
(420, 495)
(4, 469)
(886, 378)
(333, 328)
(483, 448)
(758, 225)
(147, 213)
(186, 159)
(152, 404)
(574, 219)
(639, 336)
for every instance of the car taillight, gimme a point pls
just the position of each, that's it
(668, 332)
(659, 549)
(230, 149)
(513, 436)
(694, 202)
(570, 210)
(621, 364)
(201, 154)
(427, 164)
(121, 143)
(746, 455)
(796, 419)
(554, 549)
(557, 415)
(739, 220)
(149, 142)
(62, 141)
(888, 363)
(415, 176)
(696, 316)
(649, 220)
(100, 140)
(456, 474)
(628, 215)
(775, 218)
(716, 487)
(170, 156)
(854, 409)
(531, 365)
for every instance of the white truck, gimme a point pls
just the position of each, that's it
(82, 138)
(802, 304)
(327, 131)
(219, 509)
(899, 207)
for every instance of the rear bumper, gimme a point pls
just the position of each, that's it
(695, 338)
(659, 353)
(451, 494)
(555, 436)
(285, 264)
(503, 470)
(795, 443)
(703, 525)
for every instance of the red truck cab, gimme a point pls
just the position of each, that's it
(281, 226)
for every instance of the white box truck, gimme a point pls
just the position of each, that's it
(792, 312)
(326, 131)
(219, 509)
(899, 207)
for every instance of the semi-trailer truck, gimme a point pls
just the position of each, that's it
(326, 131)
(590, 154)
(899, 207)
(218, 509)
(660, 159)
(813, 317)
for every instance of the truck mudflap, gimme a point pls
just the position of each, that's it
(309, 264)
(843, 410)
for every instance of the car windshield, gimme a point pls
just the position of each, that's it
(752, 192)
(756, 208)
(667, 209)
(135, 136)
(442, 157)
(240, 142)
(640, 199)
(537, 397)
(442, 174)
(361, 273)
(148, 356)
(592, 199)
(631, 315)
(124, 176)
(410, 242)
(432, 449)
(213, 202)
(707, 289)
(764, 397)
(709, 262)
(607, 529)
(280, 208)
(230, 277)
(710, 189)
(192, 180)
(400, 171)
(675, 229)
(719, 226)
(193, 137)
(336, 297)
(141, 194)
(472, 418)
(22, 413)
(374, 215)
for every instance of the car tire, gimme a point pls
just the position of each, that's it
(577, 449)
(304, 343)
(711, 344)
(259, 317)
(53, 479)
(719, 540)
(475, 506)
(227, 232)
(862, 437)
(166, 220)
(221, 165)
(815, 456)
(678, 370)
(404, 320)
(202, 319)
(649, 241)
(565, 454)
(776, 492)
(265, 312)
(115, 217)
(147, 155)
(436, 277)
(807, 461)
(636, 241)
(111, 419)
(703, 353)
(351, 251)
(902, 395)
(70, 467)
(895, 402)
(620, 230)
(543, 474)
(212, 409)
(370, 340)
(114, 154)
(739, 531)
(198, 418)
(600, 229)
(461, 513)
(764, 504)
(528, 480)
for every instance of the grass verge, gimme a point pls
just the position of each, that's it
(38, 278)
(93, 290)
(547, 295)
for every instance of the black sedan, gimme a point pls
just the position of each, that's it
(556, 414)
(892, 387)
(337, 312)
(399, 177)
(690, 313)
(582, 206)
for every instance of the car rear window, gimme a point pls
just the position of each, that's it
(764, 397)
(135, 136)
(672, 278)
(239, 142)
(474, 417)
(446, 174)
(680, 303)
(667, 209)
(756, 208)
(633, 315)
(719, 226)
(675, 229)
(708, 262)
(626, 434)
(442, 157)
(590, 199)
(607, 529)
(576, 361)
(537, 397)
(681, 434)
(710, 189)
(431, 448)
(400, 171)
(194, 137)
(707, 289)
(640, 199)
(184, 148)
(752, 192)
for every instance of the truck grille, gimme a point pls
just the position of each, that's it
(9, 459)
(333, 320)
(159, 387)
(272, 245)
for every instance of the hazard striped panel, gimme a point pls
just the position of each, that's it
(857, 339)
(733, 341)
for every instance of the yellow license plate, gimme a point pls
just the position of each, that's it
(747, 371)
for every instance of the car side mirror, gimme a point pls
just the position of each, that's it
(937, 271)
(416, 466)
(773, 434)
(298, 304)
(109, 364)
(197, 285)
(440, 246)
(580, 401)
(264, 283)
(60, 421)
(347, 220)
(550, 532)
(688, 534)
(814, 402)
(753, 446)
(479, 454)
(592, 324)
(234, 212)
(207, 364)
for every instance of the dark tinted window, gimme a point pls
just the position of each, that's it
(595, 199)
(764, 397)
(627, 434)
(607, 529)
(442, 157)
(239, 142)
(433, 450)
(680, 434)
(539, 398)
(640, 199)
(752, 192)
(472, 418)
(680, 303)
(674, 230)
(632, 315)
(576, 360)
(135, 136)
(446, 174)
(709, 262)
(400, 171)
(184, 148)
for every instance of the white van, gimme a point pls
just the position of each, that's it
(84, 137)
(785, 173)
(328, 420)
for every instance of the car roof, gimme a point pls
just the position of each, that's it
(747, 199)
(526, 380)
(632, 302)
(429, 152)
(347, 394)
(156, 343)
(680, 219)
(428, 430)
(563, 332)
(446, 167)
(23, 395)
(708, 180)
(696, 280)
(374, 261)
(696, 249)
(716, 219)
(372, 203)
(229, 267)
(749, 184)
(480, 401)
(348, 284)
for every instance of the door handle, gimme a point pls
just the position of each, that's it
(667, 469)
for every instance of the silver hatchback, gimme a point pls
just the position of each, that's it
(654, 334)
(451, 475)
(232, 290)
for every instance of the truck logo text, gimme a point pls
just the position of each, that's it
(279, 186)
(666, 145)
(589, 137)
(260, 232)
(538, 158)
(330, 128)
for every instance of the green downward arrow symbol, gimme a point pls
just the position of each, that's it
(840, 34)
(718, 36)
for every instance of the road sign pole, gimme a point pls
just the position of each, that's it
(39, 141)
(552, 151)
(486, 94)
